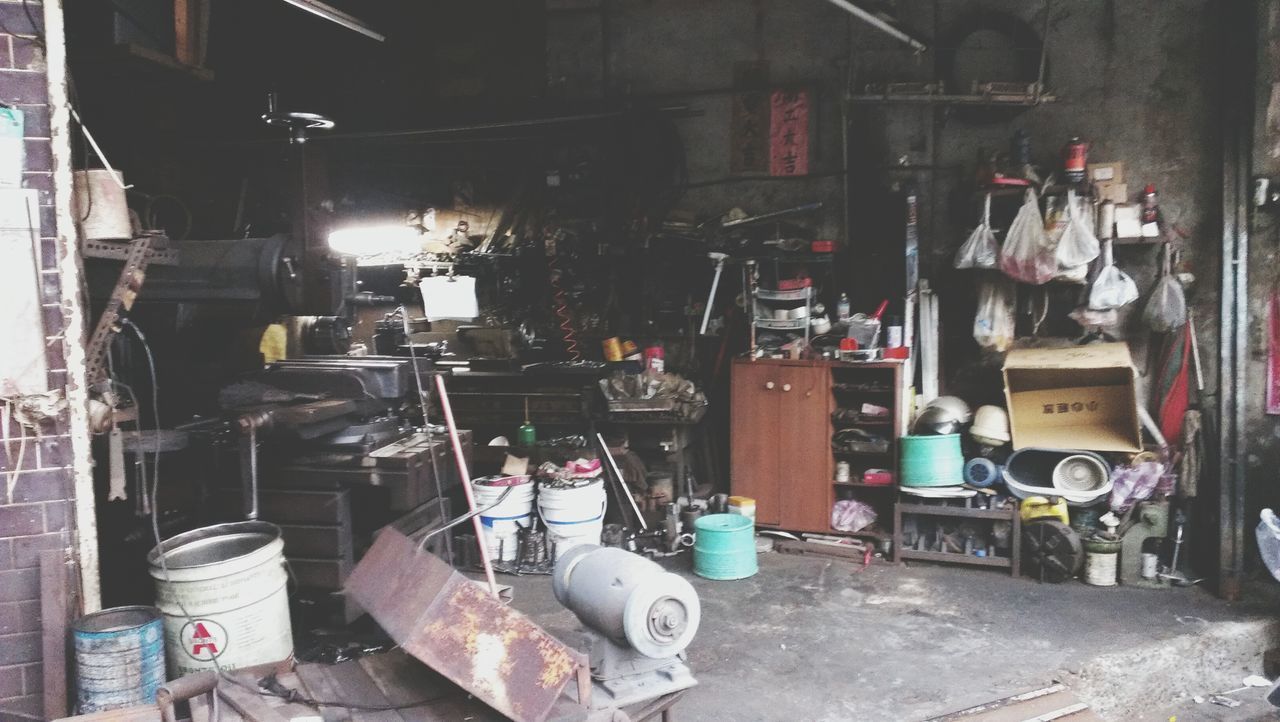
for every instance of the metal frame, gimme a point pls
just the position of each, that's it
(1239, 37)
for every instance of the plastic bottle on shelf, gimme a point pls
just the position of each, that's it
(843, 309)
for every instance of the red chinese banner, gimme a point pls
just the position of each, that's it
(789, 133)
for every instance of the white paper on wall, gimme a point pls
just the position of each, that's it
(449, 298)
(22, 365)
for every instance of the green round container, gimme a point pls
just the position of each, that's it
(724, 547)
(932, 461)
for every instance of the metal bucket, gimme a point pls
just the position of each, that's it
(231, 581)
(119, 656)
(724, 547)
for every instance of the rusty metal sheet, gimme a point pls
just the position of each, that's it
(452, 624)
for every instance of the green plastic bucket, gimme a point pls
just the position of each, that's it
(932, 461)
(724, 547)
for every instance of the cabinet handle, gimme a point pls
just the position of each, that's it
(786, 387)
(769, 385)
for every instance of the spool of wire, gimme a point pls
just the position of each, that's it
(533, 546)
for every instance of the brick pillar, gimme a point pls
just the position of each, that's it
(36, 510)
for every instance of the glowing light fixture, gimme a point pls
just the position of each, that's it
(365, 240)
(334, 15)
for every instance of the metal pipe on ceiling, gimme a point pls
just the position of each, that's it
(334, 15)
(880, 24)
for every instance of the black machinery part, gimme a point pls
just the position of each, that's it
(1051, 551)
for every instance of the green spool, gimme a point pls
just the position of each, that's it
(724, 547)
(932, 461)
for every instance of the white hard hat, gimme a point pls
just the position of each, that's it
(990, 426)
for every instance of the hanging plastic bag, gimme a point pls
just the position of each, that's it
(993, 325)
(981, 250)
(1078, 246)
(1112, 288)
(1167, 308)
(1028, 254)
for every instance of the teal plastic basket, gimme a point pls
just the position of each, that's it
(932, 461)
(724, 547)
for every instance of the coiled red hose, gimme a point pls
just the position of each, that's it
(567, 332)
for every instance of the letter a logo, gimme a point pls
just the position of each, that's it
(203, 639)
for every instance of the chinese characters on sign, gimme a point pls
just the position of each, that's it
(789, 133)
(1075, 407)
(749, 134)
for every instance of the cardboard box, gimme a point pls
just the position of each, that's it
(1082, 397)
(1106, 172)
(1111, 191)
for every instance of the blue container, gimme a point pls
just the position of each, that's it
(119, 658)
(982, 472)
(724, 547)
(932, 460)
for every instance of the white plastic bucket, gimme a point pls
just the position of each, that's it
(504, 521)
(573, 516)
(231, 580)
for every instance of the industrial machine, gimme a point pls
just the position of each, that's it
(1145, 533)
(639, 619)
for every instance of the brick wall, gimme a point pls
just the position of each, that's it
(35, 512)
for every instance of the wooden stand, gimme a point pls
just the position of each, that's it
(917, 507)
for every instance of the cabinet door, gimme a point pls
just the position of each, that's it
(753, 445)
(804, 435)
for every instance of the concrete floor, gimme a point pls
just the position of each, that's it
(823, 640)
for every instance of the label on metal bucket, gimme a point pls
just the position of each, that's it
(203, 639)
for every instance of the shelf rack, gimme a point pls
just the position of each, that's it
(1013, 562)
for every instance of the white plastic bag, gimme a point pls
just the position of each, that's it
(1078, 246)
(851, 515)
(1028, 254)
(981, 250)
(1167, 308)
(1112, 288)
(993, 324)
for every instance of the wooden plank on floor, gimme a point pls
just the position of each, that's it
(355, 687)
(405, 681)
(319, 685)
(1054, 702)
(200, 711)
(248, 704)
(54, 623)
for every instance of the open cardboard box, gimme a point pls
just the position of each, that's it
(1081, 397)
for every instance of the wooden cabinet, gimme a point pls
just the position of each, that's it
(780, 433)
(780, 436)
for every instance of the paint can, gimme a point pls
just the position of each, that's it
(231, 580)
(743, 506)
(612, 349)
(724, 547)
(119, 656)
(573, 515)
(1075, 159)
(1150, 565)
(1100, 562)
(503, 522)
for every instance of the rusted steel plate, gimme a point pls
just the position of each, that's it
(452, 624)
